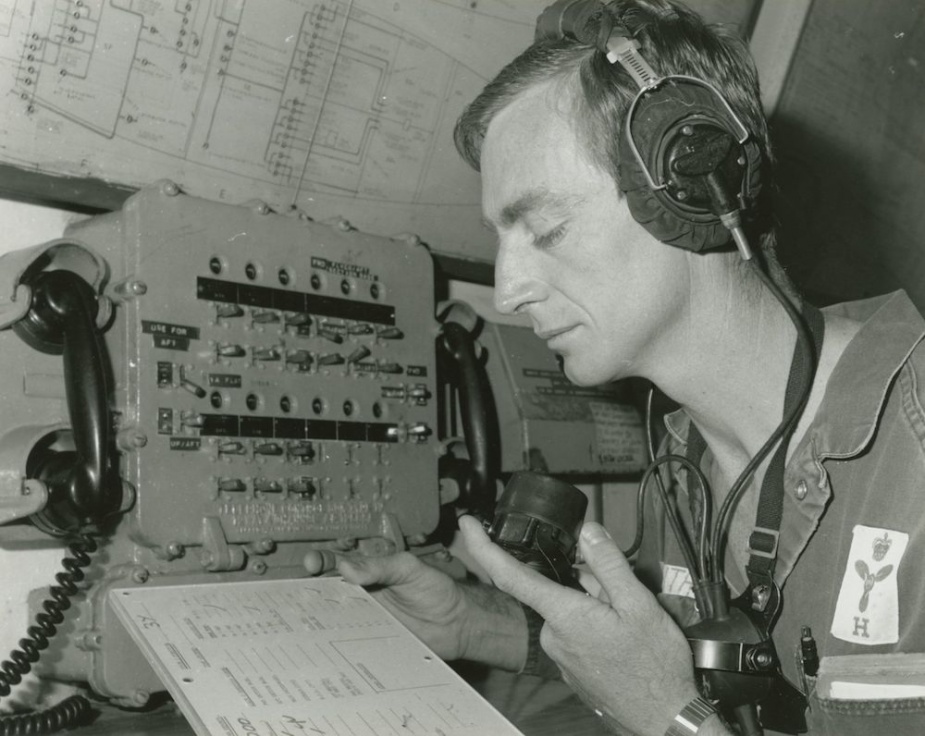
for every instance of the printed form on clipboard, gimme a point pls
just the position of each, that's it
(297, 658)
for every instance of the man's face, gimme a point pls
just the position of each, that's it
(570, 255)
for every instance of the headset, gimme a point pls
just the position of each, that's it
(688, 166)
(691, 174)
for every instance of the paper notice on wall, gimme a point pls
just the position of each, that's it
(313, 656)
(618, 430)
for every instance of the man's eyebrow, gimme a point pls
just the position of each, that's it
(532, 201)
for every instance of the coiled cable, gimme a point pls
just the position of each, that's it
(72, 710)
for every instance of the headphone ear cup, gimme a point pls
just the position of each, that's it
(658, 118)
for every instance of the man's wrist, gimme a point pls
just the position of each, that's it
(691, 718)
(698, 718)
(495, 628)
(714, 726)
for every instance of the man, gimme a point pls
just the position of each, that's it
(614, 302)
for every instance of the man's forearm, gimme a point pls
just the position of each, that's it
(496, 628)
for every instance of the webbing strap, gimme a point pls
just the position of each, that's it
(764, 538)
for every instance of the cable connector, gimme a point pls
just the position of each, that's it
(809, 655)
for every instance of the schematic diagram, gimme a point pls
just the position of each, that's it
(338, 107)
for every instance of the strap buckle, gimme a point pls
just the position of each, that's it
(763, 542)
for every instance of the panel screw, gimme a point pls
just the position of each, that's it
(140, 697)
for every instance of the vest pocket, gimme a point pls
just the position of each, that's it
(894, 717)
(865, 694)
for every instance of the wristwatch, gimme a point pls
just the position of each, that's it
(691, 718)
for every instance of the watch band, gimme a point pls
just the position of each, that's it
(691, 718)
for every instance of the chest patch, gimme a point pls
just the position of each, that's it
(867, 611)
(676, 581)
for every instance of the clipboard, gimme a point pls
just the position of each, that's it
(301, 657)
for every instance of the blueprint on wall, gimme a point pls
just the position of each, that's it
(338, 107)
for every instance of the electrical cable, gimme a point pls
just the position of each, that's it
(687, 550)
(72, 710)
(783, 431)
(706, 499)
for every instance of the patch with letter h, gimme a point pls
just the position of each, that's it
(867, 611)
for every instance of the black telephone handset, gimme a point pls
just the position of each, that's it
(83, 484)
(479, 423)
(537, 518)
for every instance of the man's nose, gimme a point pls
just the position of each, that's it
(515, 285)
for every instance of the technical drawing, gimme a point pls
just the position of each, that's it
(326, 105)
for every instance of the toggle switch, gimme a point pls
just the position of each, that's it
(262, 485)
(331, 359)
(331, 335)
(298, 319)
(267, 354)
(268, 448)
(194, 388)
(228, 311)
(303, 451)
(304, 487)
(301, 358)
(357, 355)
(191, 419)
(265, 317)
(229, 350)
(420, 431)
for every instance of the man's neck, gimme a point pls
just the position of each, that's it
(733, 379)
(733, 374)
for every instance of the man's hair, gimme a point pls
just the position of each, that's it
(674, 40)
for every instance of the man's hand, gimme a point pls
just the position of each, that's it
(457, 620)
(623, 655)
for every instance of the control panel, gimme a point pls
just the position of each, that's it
(275, 377)
(270, 382)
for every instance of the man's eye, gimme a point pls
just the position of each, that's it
(550, 237)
